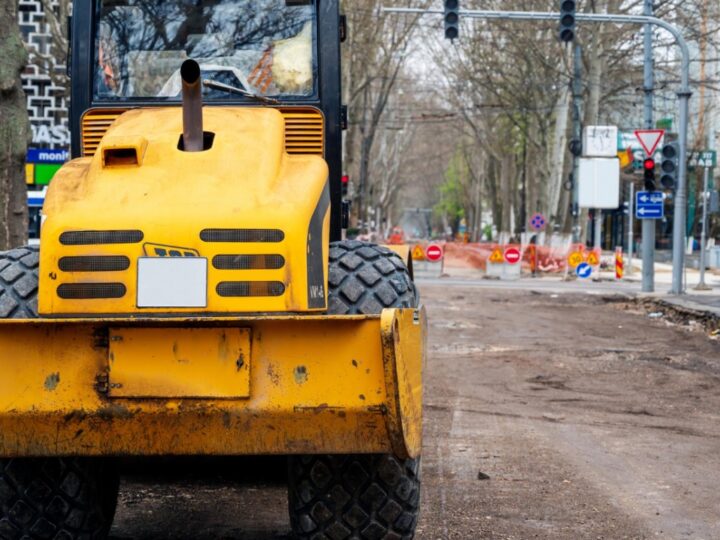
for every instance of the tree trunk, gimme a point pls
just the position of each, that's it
(14, 132)
(557, 166)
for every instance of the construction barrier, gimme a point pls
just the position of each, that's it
(619, 264)
(561, 257)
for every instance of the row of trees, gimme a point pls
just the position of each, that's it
(479, 130)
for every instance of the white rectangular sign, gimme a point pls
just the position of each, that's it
(600, 141)
(599, 183)
(172, 282)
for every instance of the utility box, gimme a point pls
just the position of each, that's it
(599, 183)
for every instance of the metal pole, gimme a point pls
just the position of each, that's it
(648, 225)
(684, 95)
(631, 228)
(577, 135)
(598, 229)
(702, 286)
(679, 217)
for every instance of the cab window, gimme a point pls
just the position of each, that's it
(265, 47)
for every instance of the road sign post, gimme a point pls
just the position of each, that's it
(538, 222)
(631, 228)
(649, 205)
(702, 286)
(584, 271)
(434, 253)
(512, 255)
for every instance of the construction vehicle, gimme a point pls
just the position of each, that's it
(192, 295)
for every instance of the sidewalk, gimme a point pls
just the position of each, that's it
(692, 300)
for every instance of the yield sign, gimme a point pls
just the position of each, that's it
(650, 139)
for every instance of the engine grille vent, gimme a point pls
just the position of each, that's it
(242, 235)
(304, 129)
(248, 262)
(113, 263)
(89, 238)
(95, 124)
(90, 291)
(244, 289)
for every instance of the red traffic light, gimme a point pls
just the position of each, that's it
(649, 164)
(345, 179)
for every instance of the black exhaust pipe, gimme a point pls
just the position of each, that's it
(192, 107)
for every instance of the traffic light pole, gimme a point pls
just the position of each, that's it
(648, 225)
(577, 136)
(683, 94)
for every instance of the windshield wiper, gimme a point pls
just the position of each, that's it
(233, 90)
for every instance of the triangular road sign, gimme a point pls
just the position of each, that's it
(497, 256)
(650, 139)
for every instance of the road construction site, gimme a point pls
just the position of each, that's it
(549, 413)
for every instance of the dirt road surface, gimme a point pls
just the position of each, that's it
(546, 416)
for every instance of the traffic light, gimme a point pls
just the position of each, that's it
(345, 181)
(669, 165)
(649, 167)
(575, 147)
(566, 31)
(452, 19)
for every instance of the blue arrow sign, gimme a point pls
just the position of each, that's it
(584, 271)
(649, 205)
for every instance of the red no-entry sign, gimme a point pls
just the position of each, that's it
(512, 255)
(434, 253)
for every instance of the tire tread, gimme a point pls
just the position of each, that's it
(367, 497)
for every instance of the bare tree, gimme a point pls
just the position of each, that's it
(14, 131)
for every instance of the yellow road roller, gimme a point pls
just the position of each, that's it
(192, 294)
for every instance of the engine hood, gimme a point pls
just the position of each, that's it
(139, 179)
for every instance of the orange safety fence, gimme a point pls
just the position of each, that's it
(535, 258)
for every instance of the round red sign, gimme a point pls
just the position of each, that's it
(512, 255)
(434, 253)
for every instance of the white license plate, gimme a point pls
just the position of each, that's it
(172, 282)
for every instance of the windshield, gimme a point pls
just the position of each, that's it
(266, 47)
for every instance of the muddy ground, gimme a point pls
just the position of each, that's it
(546, 416)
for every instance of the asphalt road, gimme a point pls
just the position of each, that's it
(547, 415)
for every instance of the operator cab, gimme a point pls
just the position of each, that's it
(284, 52)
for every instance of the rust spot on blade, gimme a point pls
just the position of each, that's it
(52, 381)
(113, 411)
(301, 375)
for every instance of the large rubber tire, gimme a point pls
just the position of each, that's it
(19, 283)
(364, 278)
(367, 497)
(57, 498)
(48, 498)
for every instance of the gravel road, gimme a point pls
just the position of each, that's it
(546, 416)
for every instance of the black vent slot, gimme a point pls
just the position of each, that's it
(113, 263)
(248, 262)
(90, 291)
(89, 238)
(245, 289)
(242, 235)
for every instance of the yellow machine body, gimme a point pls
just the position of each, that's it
(261, 371)
(257, 214)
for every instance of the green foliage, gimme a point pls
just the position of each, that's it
(453, 190)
